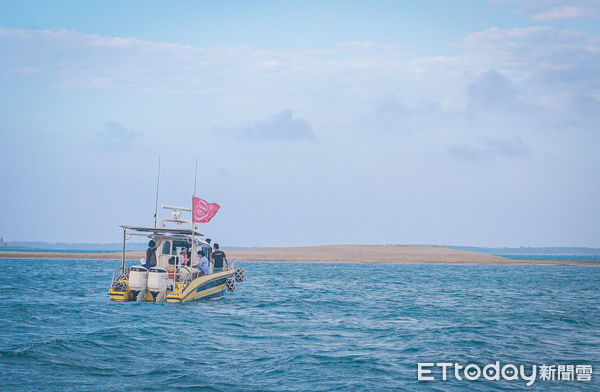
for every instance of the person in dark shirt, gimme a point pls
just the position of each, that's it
(217, 258)
(151, 253)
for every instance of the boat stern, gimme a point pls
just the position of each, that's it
(120, 292)
(176, 295)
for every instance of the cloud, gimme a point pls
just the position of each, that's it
(586, 105)
(389, 113)
(390, 106)
(544, 38)
(586, 115)
(550, 10)
(368, 45)
(567, 12)
(393, 114)
(92, 61)
(491, 148)
(491, 90)
(281, 126)
(222, 173)
(540, 68)
(114, 137)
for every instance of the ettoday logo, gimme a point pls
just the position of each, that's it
(510, 372)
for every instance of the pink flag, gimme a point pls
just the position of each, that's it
(203, 211)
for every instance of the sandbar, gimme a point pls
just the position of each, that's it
(399, 254)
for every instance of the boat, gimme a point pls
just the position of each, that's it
(171, 280)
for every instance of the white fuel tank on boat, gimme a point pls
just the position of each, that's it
(158, 279)
(138, 278)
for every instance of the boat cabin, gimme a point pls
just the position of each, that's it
(183, 236)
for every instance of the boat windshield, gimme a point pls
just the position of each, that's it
(166, 248)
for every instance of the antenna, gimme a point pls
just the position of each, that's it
(195, 176)
(157, 186)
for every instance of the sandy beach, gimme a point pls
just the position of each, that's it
(400, 254)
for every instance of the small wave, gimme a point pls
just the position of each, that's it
(324, 331)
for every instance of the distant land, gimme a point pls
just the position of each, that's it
(402, 254)
(79, 247)
(324, 253)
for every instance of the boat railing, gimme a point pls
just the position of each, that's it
(119, 274)
(179, 277)
(175, 275)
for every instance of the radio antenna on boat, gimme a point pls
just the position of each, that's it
(195, 176)
(157, 185)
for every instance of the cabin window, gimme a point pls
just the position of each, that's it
(166, 249)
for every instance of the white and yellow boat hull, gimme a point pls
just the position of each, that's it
(203, 287)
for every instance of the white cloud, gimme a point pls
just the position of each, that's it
(460, 106)
(114, 137)
(541, 68)
(542, 37)
(567, 12)
(491, 148)
(90, 60)
(551, 10)
(281, 126)
(548, 67)
(491, 90)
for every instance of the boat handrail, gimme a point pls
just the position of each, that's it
(117, 275)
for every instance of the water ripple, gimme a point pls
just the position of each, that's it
(296, 327)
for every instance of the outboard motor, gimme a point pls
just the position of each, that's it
(158, 281)
(138, 282)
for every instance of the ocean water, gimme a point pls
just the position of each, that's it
(593, 258)
(58, 250)
(297, 327)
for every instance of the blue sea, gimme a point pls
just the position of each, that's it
(298, 327)
(592, 258)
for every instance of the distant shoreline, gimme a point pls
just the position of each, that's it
(396, 254)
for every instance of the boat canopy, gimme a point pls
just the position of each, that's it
(163, 230)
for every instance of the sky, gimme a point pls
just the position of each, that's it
(326, 122)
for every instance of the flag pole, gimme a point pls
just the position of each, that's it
(124, 250)
(195, 176)
(157, 185)
(194, 249)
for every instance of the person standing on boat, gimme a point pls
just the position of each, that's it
(183, 258)
(217, 258)
(151, 253)
(202, 263)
